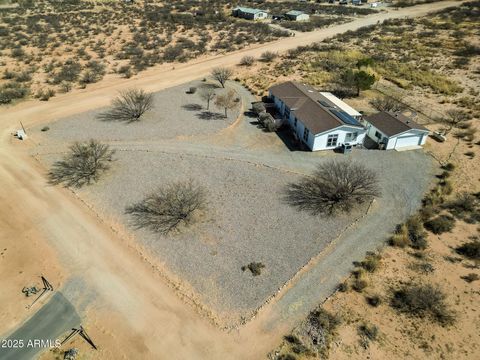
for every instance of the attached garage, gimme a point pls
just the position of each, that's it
(393, 131)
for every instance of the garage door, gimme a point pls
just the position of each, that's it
(404, 141)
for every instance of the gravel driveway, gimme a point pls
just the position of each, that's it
(248, 220)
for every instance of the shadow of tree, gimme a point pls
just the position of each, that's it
(192, 107)
(208, 115)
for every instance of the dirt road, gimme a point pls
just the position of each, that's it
(120, 279)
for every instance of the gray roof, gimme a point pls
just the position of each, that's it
(295, 13)
(312, 108)
(392, 124)
(247, 10)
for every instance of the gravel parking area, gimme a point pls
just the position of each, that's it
(175, 113)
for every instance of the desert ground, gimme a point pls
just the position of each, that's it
(99, 259)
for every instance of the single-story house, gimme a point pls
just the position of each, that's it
(249, 13)
(295, 15)
(316, 120)
(395, 131)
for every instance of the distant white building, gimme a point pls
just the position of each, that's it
(249, 13)
(395, 131)
(295, 15)
(320, 123)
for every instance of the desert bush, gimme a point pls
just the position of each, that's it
(367, 333)
(84, 164)
(247, 61)
(129, 106)
(401, 237)
(170, 208)
(471, 277)
(470, 250)
(359, 284)
(374, 300)
(45, 95)
(449, 167)
(286, 357)
(336, 186)
(371, 262)
(466, 207)
(416, 232)
(12, 91)
(222, 75)
(440, 224)
(423, 301)
(254, 267)
(387, 103)
(45, 128)
(258, 107)
(268, 56)
(320, 329)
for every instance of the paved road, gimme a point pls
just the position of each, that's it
(48, 324)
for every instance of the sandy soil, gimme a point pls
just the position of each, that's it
(115, 279)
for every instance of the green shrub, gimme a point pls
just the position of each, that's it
(470, 250)
(423, 301)
(440, 224)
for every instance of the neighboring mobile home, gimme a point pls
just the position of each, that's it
(319, 122)
(395, 131)
(295, 15)
(249, 13)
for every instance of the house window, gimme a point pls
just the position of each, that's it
(305, 134)
(378, 135)
(332, 140)
(351, 136)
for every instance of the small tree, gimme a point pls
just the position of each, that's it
(129, 106)
(207, 94)
(222, 74)
(170, 208)
(227, 101)
(359, 80)
(454, 118)
(84, 164)
(336, 186)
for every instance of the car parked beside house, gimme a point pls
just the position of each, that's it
(316, 120)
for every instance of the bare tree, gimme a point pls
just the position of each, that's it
(227, 101)
(222, 74)
(207, 94)
(336, 186)
(129, 106)
(454, 118)
(387, 103)
(170, 208)
(84, 164)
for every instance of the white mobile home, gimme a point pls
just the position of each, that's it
(295, 15)
(249, 13)
(395, 131)
(317, 121)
